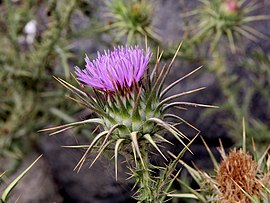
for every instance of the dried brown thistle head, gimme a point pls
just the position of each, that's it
(237, 172)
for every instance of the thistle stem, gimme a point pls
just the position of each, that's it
(146, 193)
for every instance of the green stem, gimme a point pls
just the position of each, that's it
(146, 194)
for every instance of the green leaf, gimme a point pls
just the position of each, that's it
(183, 195)
(194, 192)
(11, 186)
(215, 163)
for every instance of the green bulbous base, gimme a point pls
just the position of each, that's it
(131, 112)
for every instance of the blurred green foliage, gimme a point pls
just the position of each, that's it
(243, 78)
(27, 62)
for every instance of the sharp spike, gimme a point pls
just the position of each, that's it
(188, 104)
(215, 163)
(169, 68)
(88, 121)
(110, 132)
(95, 140)
(133, 136)
(181, 119)
(116, 149)
(152, 142)
(179, 95)
(177, 81)
(102, 148)
(163, 139)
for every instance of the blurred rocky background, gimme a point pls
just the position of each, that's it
(41, 39)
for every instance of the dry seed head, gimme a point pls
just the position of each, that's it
(237, 170)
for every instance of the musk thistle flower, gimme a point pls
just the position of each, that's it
(116, 70)
(230, 6)
(131, 111)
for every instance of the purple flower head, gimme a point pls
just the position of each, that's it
(231, 6)
(115, 70)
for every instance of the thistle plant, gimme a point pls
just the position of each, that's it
(131, 19)
(229, 19)
(131, 110)
(240, 177)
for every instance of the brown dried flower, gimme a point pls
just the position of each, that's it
(237, 171)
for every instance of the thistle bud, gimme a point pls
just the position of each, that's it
(230, 7)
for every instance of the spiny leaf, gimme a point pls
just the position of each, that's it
(215, 163)
(135, 111)
(134, 154)
(2, 174)
(14, 182)
(194, 173)
(153, 94)
(62, 130)
(194, 192)
(260, 161)
(155, 70)
(231, 40)
(256, 18)
(254, 150)
(170, 168)
(170, 185)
